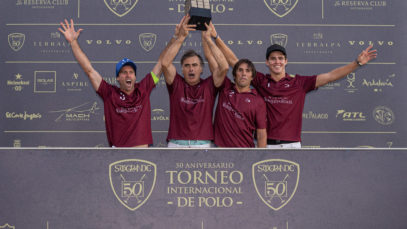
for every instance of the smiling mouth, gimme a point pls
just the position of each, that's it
(128, 82)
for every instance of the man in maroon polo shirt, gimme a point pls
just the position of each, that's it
(284, 94)
(127, 109)
(191, 98)
(241, 111)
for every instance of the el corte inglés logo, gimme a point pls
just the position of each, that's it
(132, 181)
(276, 181)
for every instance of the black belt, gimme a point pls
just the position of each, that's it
(277, 142)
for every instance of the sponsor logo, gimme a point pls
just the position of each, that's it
(17, 143)
(279, 38)
(42, 4)
(331, 85)
(377, 85)
(18, 83)
(23, 115)
(376, 43)
(132, 181)
(216, 6)
(276, 181)
(360, 5)
(315, 116)
(147, 41)
(383, 115)
(350, 79)
(228, 106)
(76, 114)
(318, 44)
(45, 81)
(277, 100)
(16, 41)
(75, 84)
(53, 45)
(281, 7)
(159, 115)
(192, 101)
(120, 7)
(350, 115)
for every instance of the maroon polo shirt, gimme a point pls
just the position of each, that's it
(128, 117)
(191, 109)
(285, 103)
(237, 117)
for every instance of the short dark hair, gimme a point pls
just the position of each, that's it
(249, 64)
(191, 53)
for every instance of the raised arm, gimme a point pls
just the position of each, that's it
(227, 52)
(71, 36)
(364, 57)
(157, 70)
(181, 32)
(217, 61)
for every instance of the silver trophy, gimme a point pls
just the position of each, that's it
(200, 12)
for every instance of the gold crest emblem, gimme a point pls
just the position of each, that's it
(7, 226)
(132, 181)
(147, 41)
(279, 38)
(281, 7)
(276, 181)
(120, 7)
(16, 41)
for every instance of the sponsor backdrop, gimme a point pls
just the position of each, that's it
(202, 189)
(47, 99)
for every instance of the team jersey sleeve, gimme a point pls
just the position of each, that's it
(174, 85)
(261, 114)
(308, 82)
(148, 82)
(256, 82)
(104, 90)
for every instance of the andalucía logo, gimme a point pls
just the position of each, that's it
(120, 7)
(281, 7)
(132, 181)
(276, 181)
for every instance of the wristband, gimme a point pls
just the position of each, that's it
(358, 63)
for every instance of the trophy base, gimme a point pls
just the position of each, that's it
(199, 17)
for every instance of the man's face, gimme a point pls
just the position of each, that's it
(244, 76)
(192, 70)
(276, 62)
(126, 79)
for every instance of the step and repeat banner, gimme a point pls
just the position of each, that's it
(202, 189)
(47, 99)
